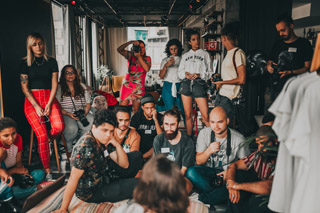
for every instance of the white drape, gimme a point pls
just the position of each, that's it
(116, 62)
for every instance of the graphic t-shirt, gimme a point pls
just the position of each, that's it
(88, 156)
(291, 55)
(12, 152)
(146, 129)
(182, 153)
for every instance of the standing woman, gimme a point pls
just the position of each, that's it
(73, 96)
(39, 81)
(169, 73)
(132, 89)
(194, 69)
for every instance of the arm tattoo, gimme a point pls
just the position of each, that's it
(24, 79)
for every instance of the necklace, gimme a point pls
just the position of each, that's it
(39, 63)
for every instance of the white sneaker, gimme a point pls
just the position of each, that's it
(49, 177)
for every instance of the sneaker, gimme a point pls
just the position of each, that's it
(49, 177)
(10, 207)
(45, 184)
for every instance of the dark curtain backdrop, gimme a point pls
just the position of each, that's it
(257, 24)
(17, 20)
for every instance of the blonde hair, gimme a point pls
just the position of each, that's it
(30, 41)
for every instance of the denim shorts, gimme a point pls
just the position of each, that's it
(196, 88)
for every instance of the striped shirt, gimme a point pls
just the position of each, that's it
(12, 152)
(263, 169)
(80, 103)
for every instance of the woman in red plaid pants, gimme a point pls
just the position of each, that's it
(39, 80)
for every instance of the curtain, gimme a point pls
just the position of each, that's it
(116, 62)
(257, 32)
(174, 33)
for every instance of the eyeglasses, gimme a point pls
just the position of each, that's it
(70, 73)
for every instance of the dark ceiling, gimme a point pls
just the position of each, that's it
(118, 13)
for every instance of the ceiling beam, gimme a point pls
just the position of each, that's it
(115, 12)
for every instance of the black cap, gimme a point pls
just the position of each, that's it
(268, 118)
(147, 98)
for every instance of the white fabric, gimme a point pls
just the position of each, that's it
(297, 125)
(198, 62)
(11, 159)
(116, 62)
(172, 71)
(174, 90)
(228, 72)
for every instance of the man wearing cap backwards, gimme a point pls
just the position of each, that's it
(148, 123)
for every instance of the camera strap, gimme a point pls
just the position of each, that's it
(125, 137)
(74, 106)
(235, 68)
(228, 152)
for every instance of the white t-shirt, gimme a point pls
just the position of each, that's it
(198, 62)
(228, 72)
(172, 71)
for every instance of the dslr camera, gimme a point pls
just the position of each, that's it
(23, 181)
(217, 181)
(136, 48)
(212, 87)
(278, 68)
(80, 114)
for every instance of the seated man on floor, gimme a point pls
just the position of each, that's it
(173, 143)
(25, 182)
(129, 139)
(253, 175)
(148, 124)
(90, 160)
(217, 147)
(177, 146)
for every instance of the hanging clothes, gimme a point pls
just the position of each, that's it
(297, 125)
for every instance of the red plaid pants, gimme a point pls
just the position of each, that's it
(38, 124)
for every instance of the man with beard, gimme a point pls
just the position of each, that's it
(176, 145)
(129, 139)
(147, 122)
(253, 175)
(217, 147)
(289, 56)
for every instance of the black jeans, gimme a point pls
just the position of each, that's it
(135, 164)
(115, 191)
(249, 202)
(122, 188)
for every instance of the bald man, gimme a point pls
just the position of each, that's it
(217, 147)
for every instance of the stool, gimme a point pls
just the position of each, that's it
(55, 149)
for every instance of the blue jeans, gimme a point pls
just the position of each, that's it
(168, 99)
(38, 176)
(201, 178)
(7, 193)
(71, 130)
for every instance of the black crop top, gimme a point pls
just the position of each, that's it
(40, 72)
